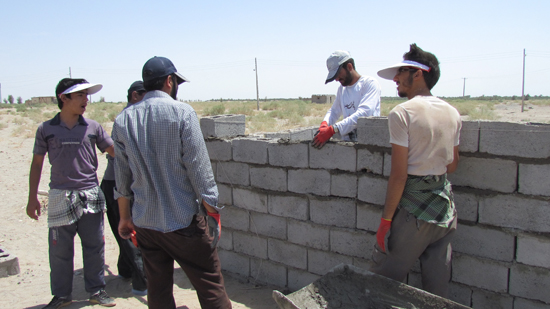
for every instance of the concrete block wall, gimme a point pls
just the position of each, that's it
(294, 211)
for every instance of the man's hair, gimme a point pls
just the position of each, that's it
(417, 54)
(155, 84)
(65, 84)
(350, 60)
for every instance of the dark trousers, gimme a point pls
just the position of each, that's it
(411, 239)
(61, 251)
(190, 247)
(130, 261)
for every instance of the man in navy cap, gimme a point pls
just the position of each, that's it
(357, 96)
(163, 166)
(130, 262)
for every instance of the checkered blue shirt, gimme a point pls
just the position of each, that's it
(161, 162)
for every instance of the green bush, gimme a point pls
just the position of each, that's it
(215, 110)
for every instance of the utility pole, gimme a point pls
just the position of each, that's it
(257, 91)
(523, 82)
(464, 87)
(70, 75)
(0, 92)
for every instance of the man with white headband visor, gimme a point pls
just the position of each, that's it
(419, 211)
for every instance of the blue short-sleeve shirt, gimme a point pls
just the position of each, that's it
(71, 152)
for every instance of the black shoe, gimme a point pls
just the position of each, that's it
(102, 299)
(58, 302)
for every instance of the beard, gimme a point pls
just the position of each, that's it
(174, 91)
(347, 81)
(408, 83)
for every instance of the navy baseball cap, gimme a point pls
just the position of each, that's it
(136, 86)
(159, 67)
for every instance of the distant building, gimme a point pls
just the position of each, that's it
(323, 98)
(39, 100)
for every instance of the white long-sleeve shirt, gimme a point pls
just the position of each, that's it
(361, 99)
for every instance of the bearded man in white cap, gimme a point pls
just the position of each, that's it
(357, 96)
(419, 211)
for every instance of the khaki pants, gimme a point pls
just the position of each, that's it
(410, 239)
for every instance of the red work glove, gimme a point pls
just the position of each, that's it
(133, 238)
(324, 124)
(322, 136)
(214, 226)
(383, 229)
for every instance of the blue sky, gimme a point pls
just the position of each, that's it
(214, 44)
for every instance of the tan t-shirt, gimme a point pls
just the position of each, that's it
(430, 128)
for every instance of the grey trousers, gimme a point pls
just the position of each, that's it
(411, 239)
(61, 250)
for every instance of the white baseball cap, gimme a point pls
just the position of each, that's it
(334, 62)
(390, 72)
(92, 88)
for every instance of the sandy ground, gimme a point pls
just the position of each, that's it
(27, 239)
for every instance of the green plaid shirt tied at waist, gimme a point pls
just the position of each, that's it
(429, 198)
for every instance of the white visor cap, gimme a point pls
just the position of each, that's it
(92, 88)
(390, 72)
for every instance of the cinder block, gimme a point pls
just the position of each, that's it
(267, 272)
(534, 179)
(268, 225)
(308, 234)
(351, 242)
(219, 150)
(373, 131)
(521, 303)
(235, 218)
(309, 181)
(226, 239)
(222, 125)
(298, 279)
(250, 244)
(250, 150)
(276, 135)
(485, 299)
(9, 263)
(288, 206)
(366, 264)
(515, 211)
(484, 242)
(387, 164)
(372, 189)
(251, 200)
(533, 250)
(320, 262)
(488, 174)
(466, 205)
(234, 262)
(530, 282)
(301, 134)
(225, 196)
(368, 217)
(287, 253)
(333, 212)
(481, 273)
(334, 156)
(233, 173)
(288, 154)
(344, 185)
(269, 178)
(460, 293)
(371, 161)
(469, 136)
(514, 139)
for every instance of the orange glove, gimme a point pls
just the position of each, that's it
(383, 229)
(324, 124)
(214, 226)
(133, 238)
(322, 136)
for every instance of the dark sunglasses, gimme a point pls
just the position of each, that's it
(404, 69)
